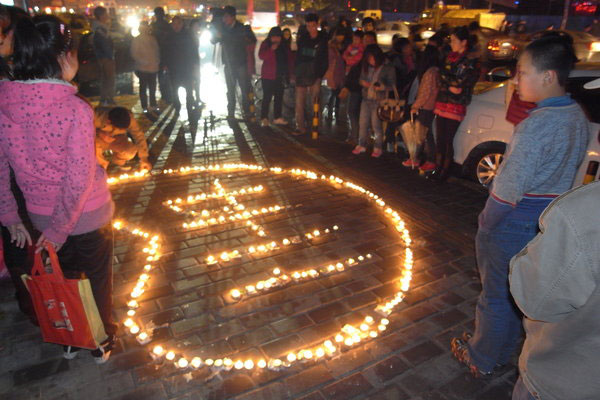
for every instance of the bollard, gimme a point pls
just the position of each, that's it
(251, 107)
(315, 121)
(590, 173)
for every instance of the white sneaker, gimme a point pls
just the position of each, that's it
(70, 352)
(280, 121)
(264, 122)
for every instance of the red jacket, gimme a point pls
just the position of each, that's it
(269, 65)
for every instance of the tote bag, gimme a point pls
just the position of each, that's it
(65, 308)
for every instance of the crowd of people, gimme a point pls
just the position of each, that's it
(53, 181)
(432, 79)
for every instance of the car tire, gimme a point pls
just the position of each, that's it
(483, 164)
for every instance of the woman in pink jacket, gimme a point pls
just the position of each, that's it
(47, 138)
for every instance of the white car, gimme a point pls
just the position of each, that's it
(482, 136)
(387, 30)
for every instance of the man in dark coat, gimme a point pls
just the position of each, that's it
(236, 40)
(183, 59)
(161, 29)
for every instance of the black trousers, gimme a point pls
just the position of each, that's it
(426, 119)
(237, 75)
(272, 88)
(446, 130)
(92, 254)
(18, 262)
(164, 84)
(187, 83)
(147, 83)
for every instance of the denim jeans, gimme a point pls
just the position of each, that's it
(368, 117)
(497, 318)
(520, 392)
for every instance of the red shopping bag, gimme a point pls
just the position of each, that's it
(65, 308)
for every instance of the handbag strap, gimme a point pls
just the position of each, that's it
(38, 264)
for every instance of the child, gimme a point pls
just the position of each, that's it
(274, 73)
(48, 140)
(540, 163)
(354, 52)
(113, 124)
(376, 79)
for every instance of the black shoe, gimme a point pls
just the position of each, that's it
(102, 353)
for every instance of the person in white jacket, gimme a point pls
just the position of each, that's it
(146, 56)
(555, 281)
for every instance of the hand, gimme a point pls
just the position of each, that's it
(414, 110)
(145, 164)
(43, 242)
(19, 235)
(455, 90)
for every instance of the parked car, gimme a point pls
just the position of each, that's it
(498, 46)
(482, 136)
(386, 31)
(587, 47)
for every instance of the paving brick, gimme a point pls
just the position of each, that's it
(463, 386)
(186, 326)
(282, 345)
(37, 372)
(329, 311)
(153, 391)
(388, 369)
(307, 379)
(418, 312)
(291, 324)
(391, 392)
(207, 304)
(349, 361)
(422, 352)
(449, 318)
(347, 388)
(220, 331)
(233, 385)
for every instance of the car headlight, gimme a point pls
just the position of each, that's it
(595, 46)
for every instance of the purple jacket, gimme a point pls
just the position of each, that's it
(47, 137)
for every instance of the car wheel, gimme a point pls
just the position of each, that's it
(486, 167)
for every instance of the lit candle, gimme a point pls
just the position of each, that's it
(236, 294)
(170, 356)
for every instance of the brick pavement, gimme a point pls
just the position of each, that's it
(189, 301)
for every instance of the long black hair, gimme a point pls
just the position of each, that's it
(429, 57)
(462, 33)
(375, 51)
(39, 42)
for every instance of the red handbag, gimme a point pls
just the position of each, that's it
(65, 308)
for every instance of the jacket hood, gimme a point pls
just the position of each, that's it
(21, 100)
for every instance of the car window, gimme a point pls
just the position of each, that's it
(587, 98)
(395, 27)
